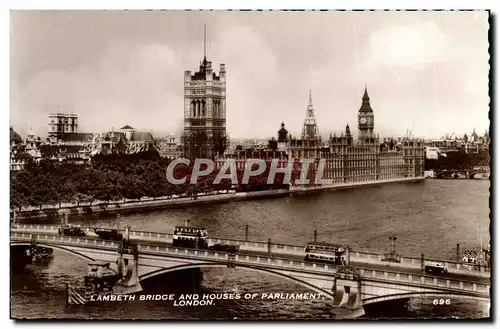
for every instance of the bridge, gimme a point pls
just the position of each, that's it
(369, 279)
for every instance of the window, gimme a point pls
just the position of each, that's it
(347, 289)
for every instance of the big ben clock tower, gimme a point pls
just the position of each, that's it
(366, 121)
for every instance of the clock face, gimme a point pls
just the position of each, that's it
(362, 120)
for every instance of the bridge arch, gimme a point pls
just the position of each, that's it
(53, 246)
(436, 294)
(252, 268)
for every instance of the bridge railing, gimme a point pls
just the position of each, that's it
(152, 236)
(412, 262)
(285, 249)
(425, 280)
(269, 262)
(34, 228)
(278, 248)
(66, 240)
(280, 263)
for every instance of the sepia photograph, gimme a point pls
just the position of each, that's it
(250, 165)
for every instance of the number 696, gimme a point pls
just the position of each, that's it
(441, 302)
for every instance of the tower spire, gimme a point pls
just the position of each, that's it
(365, 95)
(365, 105)
(310, 129)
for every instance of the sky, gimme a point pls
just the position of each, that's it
(426, 72)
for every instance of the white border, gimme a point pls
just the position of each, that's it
(186, 4)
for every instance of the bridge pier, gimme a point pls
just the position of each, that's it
(347, 292)
(128, 266)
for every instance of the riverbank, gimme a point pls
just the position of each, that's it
(128, 206)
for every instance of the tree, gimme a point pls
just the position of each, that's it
(20, 191)
(107, 188)
(42, 191)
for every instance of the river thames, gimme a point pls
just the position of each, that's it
(428, 217)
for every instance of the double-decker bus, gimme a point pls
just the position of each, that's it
(323, 252)
(190, 237)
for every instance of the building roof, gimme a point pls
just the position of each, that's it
(142, 136)
(15, 137)
(205, 65)
(77, 137)
(365, 105)
(115, 136)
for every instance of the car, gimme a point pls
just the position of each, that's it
(230, 248)
(72, 231)
(109, 234)
(435, 268)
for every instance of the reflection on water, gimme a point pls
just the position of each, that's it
(429, 217)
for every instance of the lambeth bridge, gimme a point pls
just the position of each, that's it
(370, 278)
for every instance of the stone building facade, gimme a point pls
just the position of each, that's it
(346, 160)
(205, 112)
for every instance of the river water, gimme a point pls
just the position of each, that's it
(428, 217)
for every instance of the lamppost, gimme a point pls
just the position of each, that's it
(393, 239)
(481, 239)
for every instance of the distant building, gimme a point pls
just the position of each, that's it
(138, 141)
(469, 143)
(64, 143)
(169, 147)
(61, 124)
(346, 160)
(32, 145)
(22, 152)
(19, 160)
(125, 141)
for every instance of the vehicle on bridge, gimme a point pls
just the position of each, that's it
(109, 234)
(230, 248)
(434, 267)
(190, 237)
(71, 230)
(323, 252)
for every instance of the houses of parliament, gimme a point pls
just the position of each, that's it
(366, 158)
